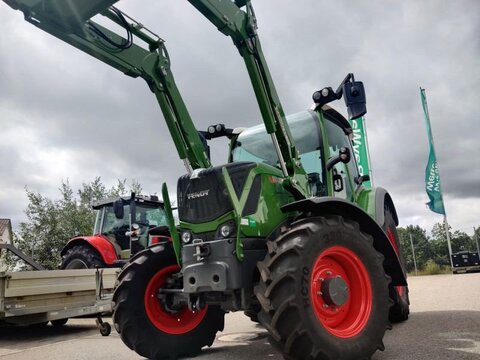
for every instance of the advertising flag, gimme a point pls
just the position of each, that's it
(360, 149)
(432, 176)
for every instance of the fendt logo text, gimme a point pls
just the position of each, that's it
(198, 194)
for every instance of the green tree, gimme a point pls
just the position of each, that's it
(420, 244)
(439, 245)
(51, 223)
(476, 238)
(462, 242)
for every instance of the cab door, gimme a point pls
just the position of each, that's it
(342, 175)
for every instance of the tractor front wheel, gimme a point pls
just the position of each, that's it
(149, 326)
(324, 292)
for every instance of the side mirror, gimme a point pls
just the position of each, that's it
(343, 156)
(355, 99)
(118, 209)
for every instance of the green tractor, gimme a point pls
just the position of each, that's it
(285, 231)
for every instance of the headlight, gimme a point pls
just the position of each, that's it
(186, 237)
(225, 230)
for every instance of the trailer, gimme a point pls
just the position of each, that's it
(37, 297)
(465, 261)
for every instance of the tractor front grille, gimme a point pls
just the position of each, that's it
(205, 198)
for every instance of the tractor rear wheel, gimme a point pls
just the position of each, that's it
(81, 257)
(399, 294)
(252, 313)
(324, 292)
(150, 327)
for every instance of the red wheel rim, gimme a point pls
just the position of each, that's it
(350, 318)
(393, 240)
(178, 323)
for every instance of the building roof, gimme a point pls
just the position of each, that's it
(4, 224)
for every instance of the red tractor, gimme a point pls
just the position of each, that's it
(123, 227)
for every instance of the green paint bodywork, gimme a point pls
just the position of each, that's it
(238, 204)
(171, 224)
(268, 215)
(266, 218)
(273, 196)
(366, 200)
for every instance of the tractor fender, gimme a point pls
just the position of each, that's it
(374, 201)
(383, 200)
(333, 206)
(98, 243)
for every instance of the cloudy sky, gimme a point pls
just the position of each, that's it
(64, 115)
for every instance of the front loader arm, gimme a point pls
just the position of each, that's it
(71, 21)
(241, 26)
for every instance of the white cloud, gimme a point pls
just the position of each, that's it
(66, 115)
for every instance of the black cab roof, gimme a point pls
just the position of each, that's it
(149, 200)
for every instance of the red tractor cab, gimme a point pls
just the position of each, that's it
(123, 227)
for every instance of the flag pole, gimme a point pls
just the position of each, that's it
(436, 200)
(413, 252)
(448, 240)
(475, 237)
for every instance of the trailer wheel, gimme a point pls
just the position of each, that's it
(81, 257)
(105, 329)
(149, 327)
(399, 294)
(58, 323)
(324, 292)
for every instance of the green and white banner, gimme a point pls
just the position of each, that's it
(360, 149)
(432, 176)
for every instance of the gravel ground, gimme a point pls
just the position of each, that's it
(445, 292)
(444, 325)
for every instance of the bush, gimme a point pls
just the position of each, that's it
(432, 268)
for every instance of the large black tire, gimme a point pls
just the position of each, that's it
(399, 294)
(143, 323)
(302, 322)
(81, 257)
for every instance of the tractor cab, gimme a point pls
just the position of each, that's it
(123, 227)
(323, 140)
(127, 221)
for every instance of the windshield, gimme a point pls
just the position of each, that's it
(147, 217)
(151, 216)
(254, 144)
(144, 216)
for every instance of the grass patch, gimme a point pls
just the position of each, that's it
(432, 268)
